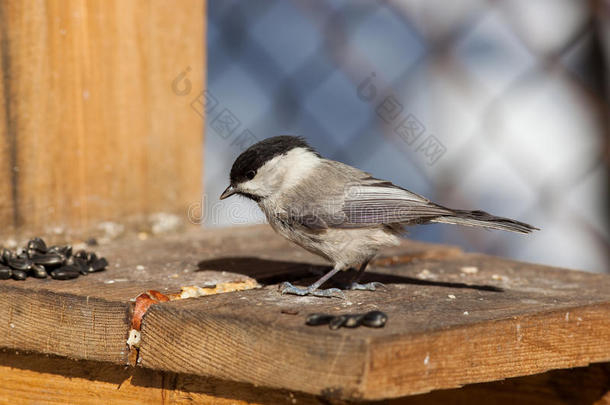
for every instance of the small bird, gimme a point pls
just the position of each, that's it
(335, 210)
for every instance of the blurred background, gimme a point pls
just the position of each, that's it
(493, 105)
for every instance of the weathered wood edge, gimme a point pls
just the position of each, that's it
(118, 310)
(371, 381)
(495, 350)
(353, 368)
(34, 379)
(63, 324)
(45, 307)
(252, 352)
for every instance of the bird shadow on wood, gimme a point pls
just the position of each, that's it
(275, 271)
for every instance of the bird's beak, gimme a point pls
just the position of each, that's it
(228, 192)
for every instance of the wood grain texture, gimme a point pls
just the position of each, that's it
(584, 385)
(7, 138)
(454, 318)
(35, 379)
(31, 378)
(489, 351)
(428, 343)
(90, 128)
(63, 324)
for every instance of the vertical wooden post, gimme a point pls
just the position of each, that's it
(90, 126)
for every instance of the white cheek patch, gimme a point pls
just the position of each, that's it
(297, 165)
(281, 173)
(253, 186)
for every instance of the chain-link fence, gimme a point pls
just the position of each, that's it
(500, 106)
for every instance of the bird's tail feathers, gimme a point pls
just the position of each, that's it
(484, 220)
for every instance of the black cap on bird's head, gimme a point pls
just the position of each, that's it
(247, 164)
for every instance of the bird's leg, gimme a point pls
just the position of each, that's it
(288, 288)
(355, 285)
(318, 270)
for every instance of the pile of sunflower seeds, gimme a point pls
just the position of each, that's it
(38, 260)
(372, 319)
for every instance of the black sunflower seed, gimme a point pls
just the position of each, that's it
(37, 245)
(98, 265)
(318, 319)
(80, 264)
(65, 251)
(48, 259)
(81, 254)
(19, 263)
(5, 272)
(19, 275)
(353, 321)
(65, 273)
(5, 254)
(374, 319)
(338, 321)
(38, 271)
(91, 257)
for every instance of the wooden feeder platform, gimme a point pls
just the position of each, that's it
(455, 319)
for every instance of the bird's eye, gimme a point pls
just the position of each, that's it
(250, 174)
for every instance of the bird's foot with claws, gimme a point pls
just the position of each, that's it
(288, 288)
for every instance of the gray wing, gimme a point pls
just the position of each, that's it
(356, 200)
(385, 203)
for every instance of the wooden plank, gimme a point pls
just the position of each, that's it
(200, 256)
(429, 343)
(30, 378)
(585, 385)
(490, 351)
(91, 128)
(63, 324)
(454, 318)
(7, 142)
